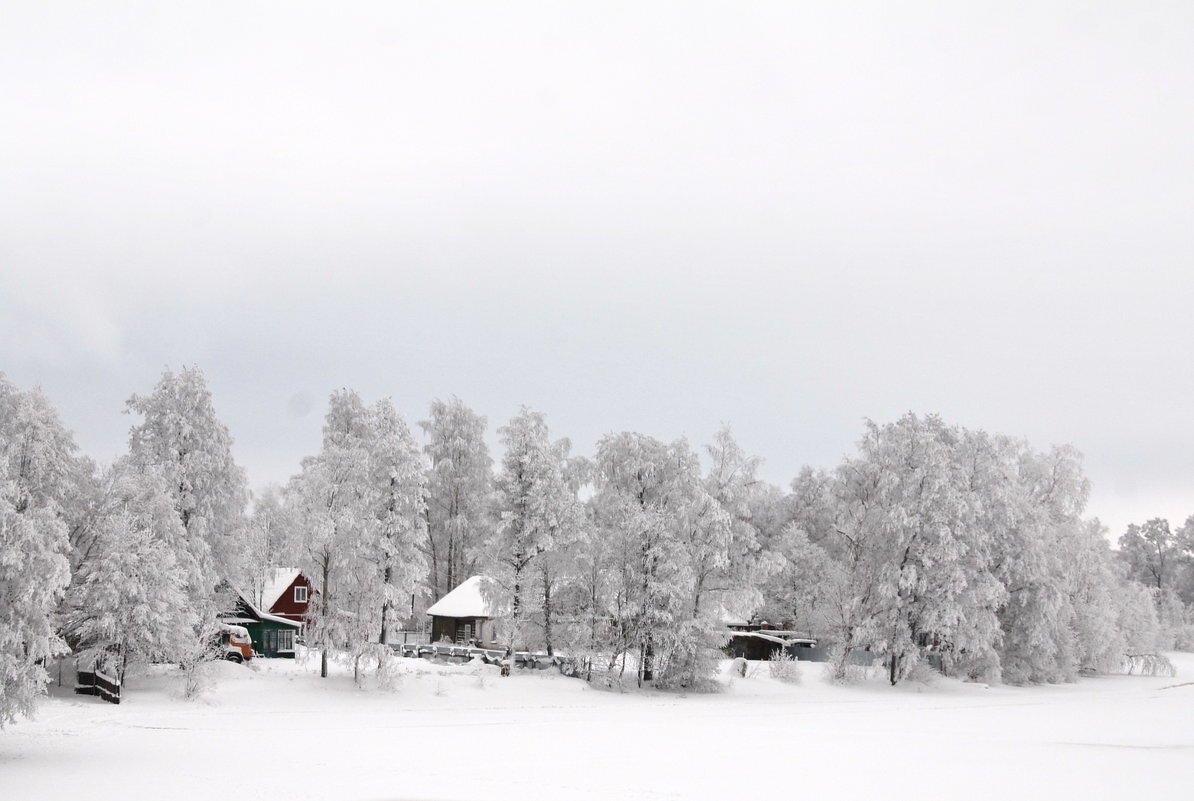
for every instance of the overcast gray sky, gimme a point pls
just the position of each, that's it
(645, 216)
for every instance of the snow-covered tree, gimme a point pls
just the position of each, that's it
(1185, 546)
(336, 526)
(269, 540)
(181, 438)
(561, 569)
(34, 572)
(1152, 553)
(1137, 620)
(810, 591)
(1046, 559)
(398, 477)
(652, 507)
(730, 571)
(790, 529)
(36, 463)
(127, 603)
(358, 518)
(459, 493)
(1098, 644)
(916, 557)
(537, 505)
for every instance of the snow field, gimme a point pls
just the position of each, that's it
(275, 730)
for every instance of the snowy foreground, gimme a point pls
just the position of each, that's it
(275, 730)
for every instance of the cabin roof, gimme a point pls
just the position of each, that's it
(467, 600)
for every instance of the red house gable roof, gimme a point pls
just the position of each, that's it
(285, 603)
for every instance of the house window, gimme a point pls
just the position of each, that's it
(300, 595)
(275, 640)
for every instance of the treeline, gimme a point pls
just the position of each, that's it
(929, 539)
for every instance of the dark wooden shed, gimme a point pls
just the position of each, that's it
(465, 615)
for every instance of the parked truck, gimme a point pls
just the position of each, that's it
(236, 644)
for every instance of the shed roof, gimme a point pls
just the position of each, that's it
(467, 600)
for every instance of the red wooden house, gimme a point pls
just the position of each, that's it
(286, 593)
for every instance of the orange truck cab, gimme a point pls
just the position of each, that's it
(237, 645)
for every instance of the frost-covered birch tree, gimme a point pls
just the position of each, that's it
(731, 569)
(537, 506)
(561, 568)
(269, 537)
(652, 507)
(459, 493)
(331, 502)
(357, 509)
(398, 478)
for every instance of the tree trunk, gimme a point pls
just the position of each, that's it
(385, 607)
(323, 612)
(515, 612)
(547, 612)
(450, 584)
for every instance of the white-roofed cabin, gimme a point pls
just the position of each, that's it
(465, 615)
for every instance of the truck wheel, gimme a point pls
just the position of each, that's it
(235, 658)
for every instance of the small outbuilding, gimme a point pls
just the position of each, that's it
(465, 615)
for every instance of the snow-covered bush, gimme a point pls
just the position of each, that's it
(376, 661)
(845, 673)
(921, 672)
(785, 667)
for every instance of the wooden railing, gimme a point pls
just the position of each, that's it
(93, 682)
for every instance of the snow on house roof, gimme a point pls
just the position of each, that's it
(467, 600)
(283, 620)
(276, 583)
(260, 615)
(773, 636)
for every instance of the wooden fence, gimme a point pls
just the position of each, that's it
(461, 654)
(93, 682)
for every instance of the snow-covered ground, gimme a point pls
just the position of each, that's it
(274, 730)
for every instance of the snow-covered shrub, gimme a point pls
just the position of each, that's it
(846, 674)
(739, 666)
(199, 677)
(785, 667)
(1149, 665)
(921, 672)
(389, 668)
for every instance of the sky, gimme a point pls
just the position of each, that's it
(657, 217)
